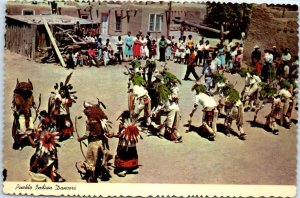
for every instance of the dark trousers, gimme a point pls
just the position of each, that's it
(189, 70)
(120, 55)
(162, 54)
(264, 72)
(199, 57)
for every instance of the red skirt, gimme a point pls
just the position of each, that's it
(126, 157)
(136, 50)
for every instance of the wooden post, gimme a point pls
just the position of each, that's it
(33, 42)
(283, 12)
(169, 18)
(222, 32)
(52, 39)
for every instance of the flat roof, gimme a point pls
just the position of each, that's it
(51, 19)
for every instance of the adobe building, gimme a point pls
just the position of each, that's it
(119, 18)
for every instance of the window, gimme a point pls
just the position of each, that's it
(118, 23)
(28, 12)
(155, 23)
(178, 18)
(85, 16)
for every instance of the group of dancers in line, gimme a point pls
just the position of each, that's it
(153, 107)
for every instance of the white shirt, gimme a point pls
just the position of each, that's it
(120, 43)
(285, 93)
(214, 65)
(256, 78)
(206, 47)
(269, 57)
(139, 91)
(205, 100)
(286, 57)
(105, 55)
(169, 106)
(200, 47)
(286, 69)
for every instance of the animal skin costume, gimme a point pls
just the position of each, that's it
(97, 155)
(22, 103)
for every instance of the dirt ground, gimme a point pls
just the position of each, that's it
(262, 159)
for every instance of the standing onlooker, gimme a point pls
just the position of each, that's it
(119, 53)
(148, 46)
(243, 38)
(162, 49)
(286, 56)
(173, 47)
(208, 75)
(153, 48)
(180, 53)
(144, 49)
(137, 47)
(191, 63)
(54, 7)
(99, 48)
(190, 42)
(128, 45)
(206, 51)
(255, 59)
(200, 48)
(78, 30)
(169, 48)
(268, 57)
(238, 61)
(221, 53)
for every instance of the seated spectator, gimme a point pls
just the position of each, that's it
(108, 45)
(105, 56)
(70, 60)
(112, 58)
(78, 58)
(92, 57)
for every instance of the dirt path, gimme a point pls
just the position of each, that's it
(262, 159)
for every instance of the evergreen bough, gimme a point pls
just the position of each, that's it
(267, 90)
(219, 78)
(136, 64)
(163, 91)
(231, 93)
(138, 80)
(243, 72)
(169, 77)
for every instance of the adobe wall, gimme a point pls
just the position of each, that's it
(266, 30)
(139, 21)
